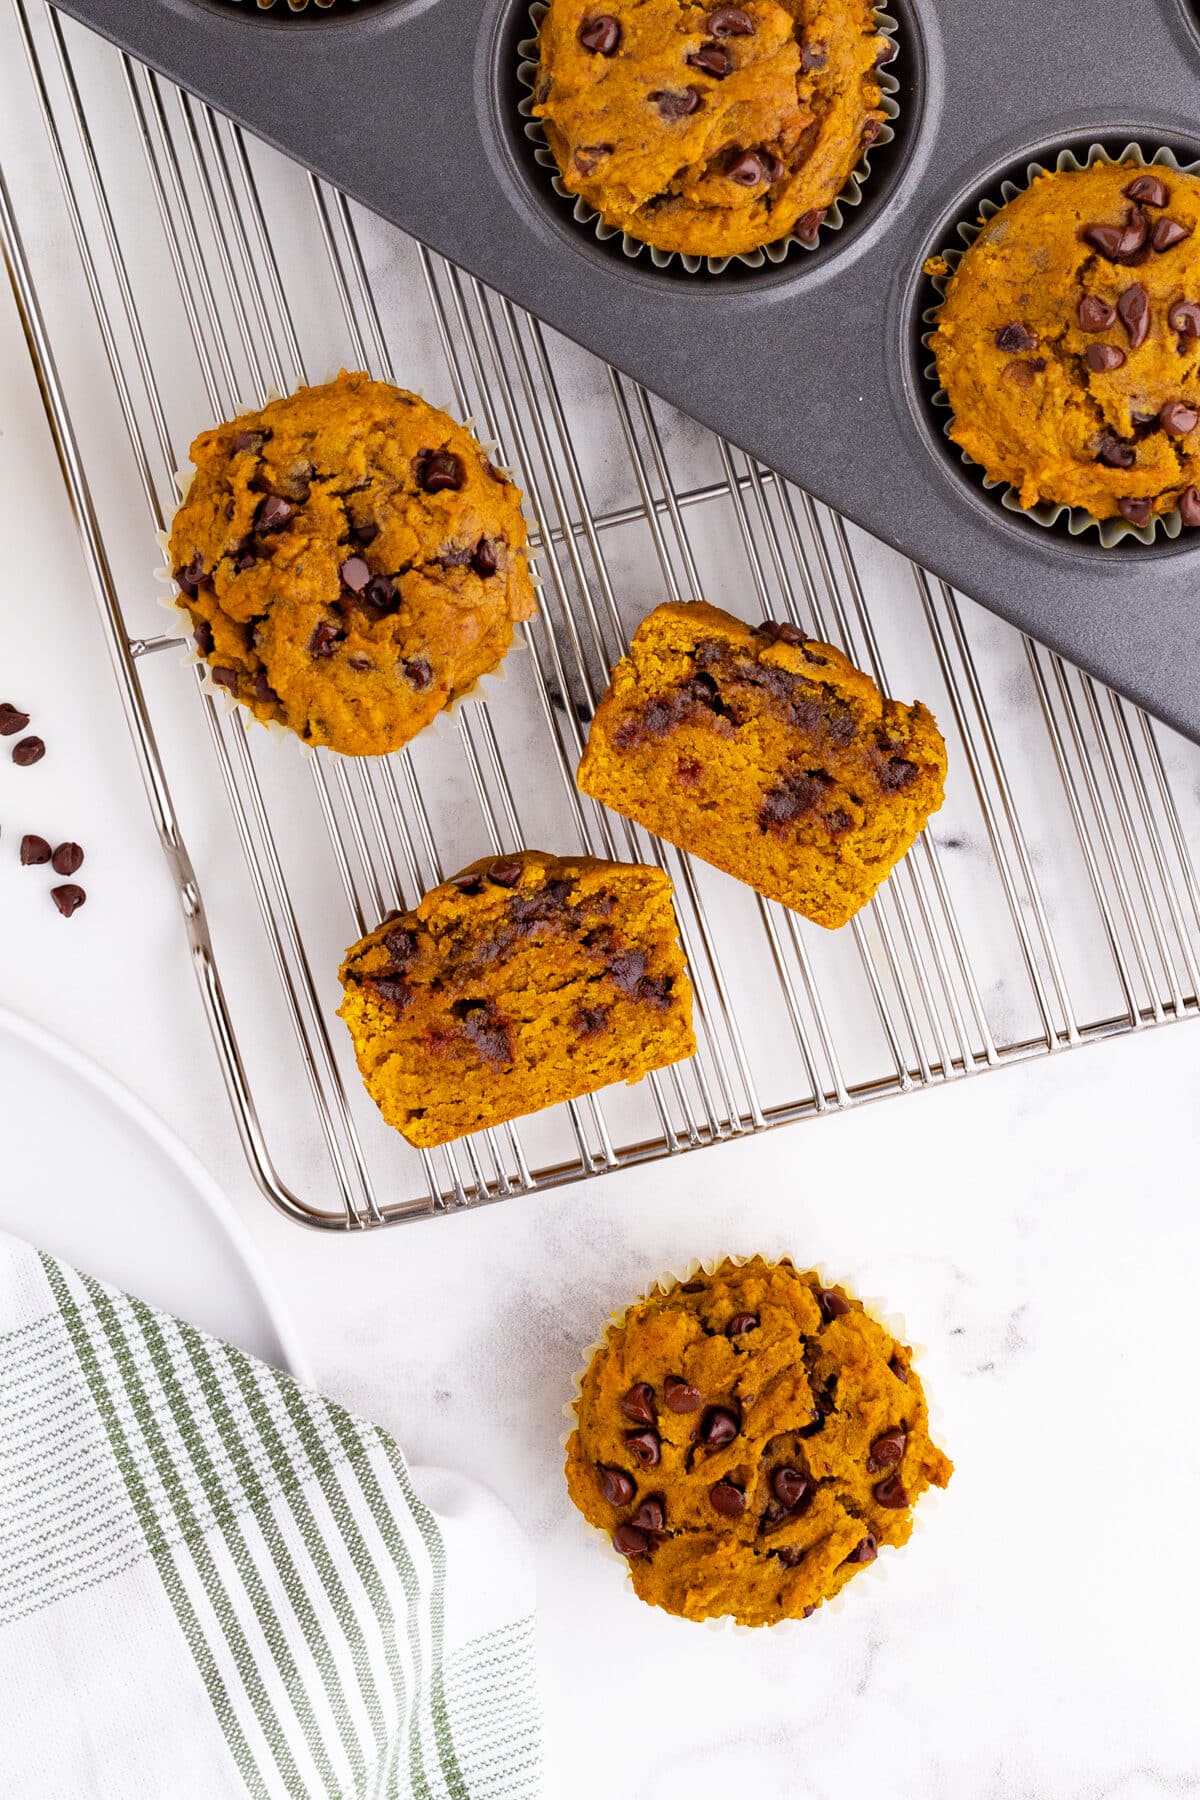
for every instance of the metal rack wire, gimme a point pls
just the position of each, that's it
(1054, 899)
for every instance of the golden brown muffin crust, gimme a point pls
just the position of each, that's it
(749, 1438)
(1069, 343)
(351, 562)
(710, 130)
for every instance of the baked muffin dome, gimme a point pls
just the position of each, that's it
(351, 562)
(709, 129)
(1069, 343)
(749, 1439)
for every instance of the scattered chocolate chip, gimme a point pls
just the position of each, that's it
(727, 1500)
(1103, 359)
(12, 719)
(887, 1450)
(644, 1447)
(1184, 317)
(638, 1403)
(677, 103)
(711, 59)
(730, 21)
(590, 1020)
(897, 773)
(1133, 309)
(381, 592)
(188, 579)
(891, 1492)
(226, 677)
(813, 56)
(483, 559)
(247, 440)
(651, 1515)
(1147, 189)
(1167, 233)
(28, 751)
(401, 945)
(866, 1552)
(681, 1396)
(68, 898)
(469, 882)
(1113, 452)
(439, 471)
(809, 224)
(630, 1541)
(790, 1555)
(355, 574)
(719, 1427)
(1137, 511)
(832, 1304)
(392, 990)
(418, 671)
(601, 35)
(273, 513)
(364, 534)
(323, 642)
(506, 872)
(245, 559)
(628, 970)
(899, 1370)
(789, 1487)
(741, 1323)
(1120, 243)
(1096, 314)
(1189, 506)
(588, 157)
(35, 850)
(1178, 418)
(781, 632)
(67, 859)
(617, 1487)
(202, 637)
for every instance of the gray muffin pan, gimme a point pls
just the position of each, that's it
(814, 366)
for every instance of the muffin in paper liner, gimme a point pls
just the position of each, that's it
(775, 252)
(181, 624)
(893, 1323)
(1077, 520)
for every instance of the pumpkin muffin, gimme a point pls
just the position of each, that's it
(749, 1439)
(1068, 343)
(351, 562)
(766, 753)
(708, 129)
(522, 981)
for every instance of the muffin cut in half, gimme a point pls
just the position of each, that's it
(522, 981)
(765, 753)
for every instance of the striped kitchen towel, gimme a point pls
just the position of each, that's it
(214, 1583)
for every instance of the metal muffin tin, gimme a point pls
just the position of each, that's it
(814, 367)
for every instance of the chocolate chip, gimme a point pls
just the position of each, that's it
(589, 1021)
(68, 898)
(28, 751)
(1133, 308)
(630, 1541)
(628, 970)
(1178, 418)
(483, 559)
(651, 1515)
(365, 534)
(469, 882)
(1148, 189)
(638, 1403)
(617, 1487)
(813, 56)
(1184, 317)
(1167, 233)
(891, 1492)
(418, 671)
(188, 579)
(866, 1552)
(681, 1396)
(899, 1370)
(202, 637)
(1096, 314)
(897, 773)
(35, 850)
(506, 872)
(225, 677)
(727, 1500)
(711, 59)
(1189, 506)
(1102, 359)
(677, 103)
(323, 642)
(781, 632)
(747, 168)
(832, 1304)
(730, 21)
(1014, 338)
(245, 559)
(392, 990)
(381, 592)
(247, 440)
(588, 157)
(1137, 511)
(66, 859)
(887, 1450)
(355, 574)
(1120, 243)
(12, 719)
(273, 513)
(741, 1323)
(601, 35)
(789, 1487)
(1113, 453)
(719, 1427)
(401, 946)
(644, 1447)
(789, 1555)
(439, 471)
(809, 224)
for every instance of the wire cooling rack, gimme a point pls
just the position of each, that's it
(169, 269)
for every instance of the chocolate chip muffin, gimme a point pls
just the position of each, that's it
(351, 562)
(1068, 343)
(710, 130)
(749, 1439)
(520, 982)
(767, 754)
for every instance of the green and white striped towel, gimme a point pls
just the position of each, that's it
(214, 1583)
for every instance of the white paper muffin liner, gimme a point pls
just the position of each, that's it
(181, 625)
(893, 1323)
(292, 6)
(1047, 512)
(775, 252)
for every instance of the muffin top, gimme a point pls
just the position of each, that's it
(351, 561)
(710, 130)
(749, 1438)
(1069, 343)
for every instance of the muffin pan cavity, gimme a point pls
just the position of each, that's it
(296, 12)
